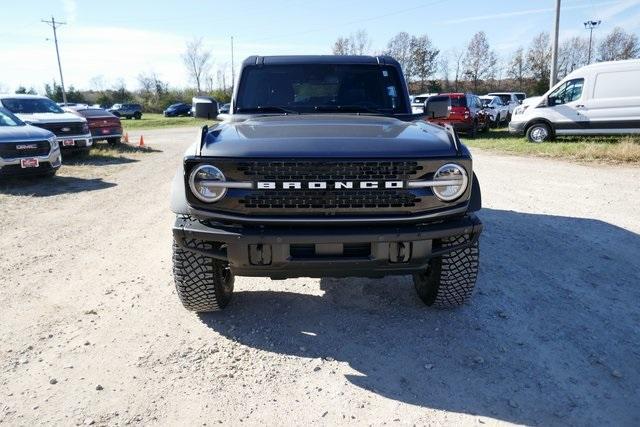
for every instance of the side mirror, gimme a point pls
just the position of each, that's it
(437, 107)
(551, 101)
(205, 107)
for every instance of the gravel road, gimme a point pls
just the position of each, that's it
(93, 333)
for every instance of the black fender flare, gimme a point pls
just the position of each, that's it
(475, 202)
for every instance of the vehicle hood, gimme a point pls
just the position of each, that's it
(534, 100)
(38, 118)
(23, 133)
(324, 135)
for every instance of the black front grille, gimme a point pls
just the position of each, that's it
(330, 199)
(12, 150)
(64, 129)
(329, 170)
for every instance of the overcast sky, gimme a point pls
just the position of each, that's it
(119, 39)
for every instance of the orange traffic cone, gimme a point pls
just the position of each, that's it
(141, 141)
(126, 137)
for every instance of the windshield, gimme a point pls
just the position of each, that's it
(8, 119)
(486, 101)
(31, 105)
(307, 88)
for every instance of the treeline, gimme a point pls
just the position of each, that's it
(152, 92)
(478, 68)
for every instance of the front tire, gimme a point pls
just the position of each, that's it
(449, 280)
(539, 132)
(203, 283)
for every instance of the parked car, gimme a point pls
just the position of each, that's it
(417, 102)
(465, 114)
(176, 110)
(72, 131)
(510, 99)
(102, 124)
(224, 109)
(598, 99)
(497, 111)
(128, 111)
(26, 149)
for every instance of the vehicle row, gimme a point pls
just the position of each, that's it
(470, 113)
(35, 132)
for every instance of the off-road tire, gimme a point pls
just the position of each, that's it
(449, 279)
(203, 283)
(137, 116)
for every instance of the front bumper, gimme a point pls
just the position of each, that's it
(77, 142)
(315, 251)
(516, 128)
(48, 163)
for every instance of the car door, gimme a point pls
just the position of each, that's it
(564, 106)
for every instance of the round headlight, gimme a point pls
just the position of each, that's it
(203, 180)
(456, 182)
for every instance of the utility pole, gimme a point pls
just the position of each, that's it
(233, 74)
(590, 25)
(554, 48)
(55, 25)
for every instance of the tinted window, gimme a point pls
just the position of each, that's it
(420, 99)
(31, 105)
(8, 119)
(520, 96)
(568, 92)
(458, 101)
(305, 87)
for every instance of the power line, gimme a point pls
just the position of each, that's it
(55, 26)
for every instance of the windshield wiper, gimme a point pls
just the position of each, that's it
(353, 109)
(267, 109)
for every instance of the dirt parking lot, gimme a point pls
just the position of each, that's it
(92, 331)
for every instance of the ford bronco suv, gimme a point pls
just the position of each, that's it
(320, 169)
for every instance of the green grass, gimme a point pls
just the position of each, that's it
(609, 149)
(154, 121)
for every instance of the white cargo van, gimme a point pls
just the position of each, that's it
(599, 99)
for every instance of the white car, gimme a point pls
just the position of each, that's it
(497, 111)
(72, 132)
(599, 99)
(510, 99)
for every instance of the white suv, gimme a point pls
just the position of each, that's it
(510, 99)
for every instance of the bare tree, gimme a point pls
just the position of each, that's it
(197, 60)
(151, 87)
(618, 45)
(457, 56)
(480, 61)
(538, 61)
(361, 42)
(399, 47)
(516, 67)
(572, 54)
(357, 43)
(342, 46)
(423, 59)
